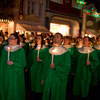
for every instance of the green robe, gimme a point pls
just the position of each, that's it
(83, 74)
(26, 49)
(37, 68)
(56, 79)
(71, 51)
(96, 76)
(12, 84)
(0, 49)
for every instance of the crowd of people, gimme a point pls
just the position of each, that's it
(49, 67)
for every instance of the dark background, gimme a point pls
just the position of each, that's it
(95, 2)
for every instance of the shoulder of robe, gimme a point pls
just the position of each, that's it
(59, 50)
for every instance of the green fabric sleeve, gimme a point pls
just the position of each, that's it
(20, 59)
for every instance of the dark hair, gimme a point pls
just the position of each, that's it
(42, 41)
(6, 33)
(48, 40)
(1, 35)
(67, 37)
(23, 38)
(59, 34)
(16, 36)
(98, 37)
(87, 37)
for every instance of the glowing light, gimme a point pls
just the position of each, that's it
(86, 35)
(90, 36)
(63, 29)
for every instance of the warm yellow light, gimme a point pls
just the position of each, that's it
(38, 33)
(0, 28)
(63, 29)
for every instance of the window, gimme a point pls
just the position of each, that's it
(40, 9)
(32, 7)
(58, 1)
(28, 8)
(62, 28)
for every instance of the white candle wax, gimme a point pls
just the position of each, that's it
(8, 53)
(38, 51)
(52, 58)
(88, 55)
(53, 52)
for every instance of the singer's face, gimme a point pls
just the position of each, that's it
(21, 39)
(86, 41)
(66, 41)
(12, 40)
(57, 39)
(38, 39)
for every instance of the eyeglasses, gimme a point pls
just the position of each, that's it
(11, 38)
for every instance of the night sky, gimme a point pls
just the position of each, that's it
(95, 2)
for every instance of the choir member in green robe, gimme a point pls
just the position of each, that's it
(70, 48)
(59, 64)
(31, 45)
(36, 62)
(47, 43)
(23, 45)
(87, 62)
(97, 48)
(67, 45)
(1, 42)
(79, 43)
(12, 63)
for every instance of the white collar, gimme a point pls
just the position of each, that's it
(97, 47)
(13, 48)
(39, 46)
(86, 50)
(68, 46)
(79, 46)
(59, 50)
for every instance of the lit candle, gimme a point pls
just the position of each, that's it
(53, 52)
(88, 55)
(38, 51)
(8, 53)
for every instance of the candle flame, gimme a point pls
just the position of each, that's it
(88, 51)
(39, 47)
(9, 48)
(54, 51)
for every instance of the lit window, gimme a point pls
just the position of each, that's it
(62, 28)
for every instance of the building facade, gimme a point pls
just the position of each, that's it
(23, 16)
(63, 16)
(91, 21)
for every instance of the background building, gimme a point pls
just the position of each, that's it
(64, 16)
(22, 15)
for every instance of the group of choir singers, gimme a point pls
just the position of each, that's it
(51, 63)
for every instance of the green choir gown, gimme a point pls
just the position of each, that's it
(56, 79)
(12, 84)
(84, 73)
(97, 71)
(37, 69)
